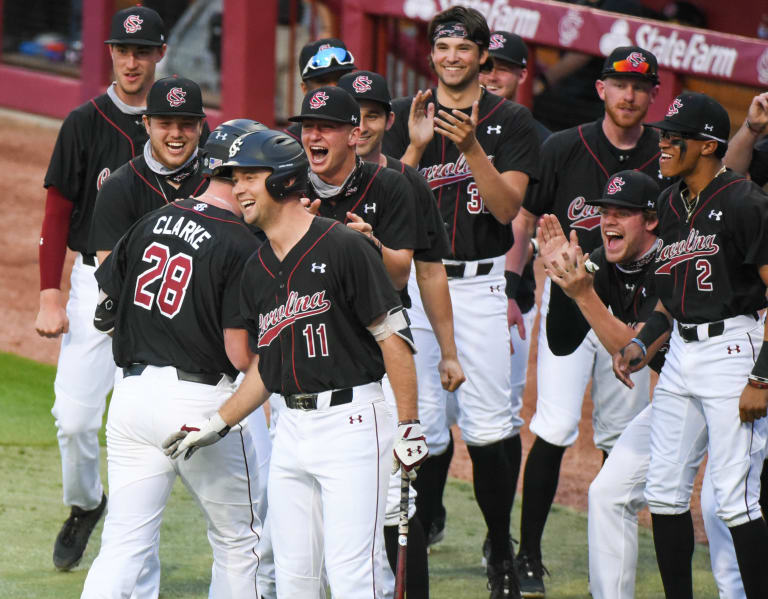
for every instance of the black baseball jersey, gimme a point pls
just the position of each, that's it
(94, 141)
(506, 133)
(307, 314)
(706, 269)
(382, 198)
(758, 167)
(176, 276)
(131, 192)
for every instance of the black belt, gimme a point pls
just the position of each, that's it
(205, 378)
(456, 271)
(308, 401)
(88, 259)
(690, 333)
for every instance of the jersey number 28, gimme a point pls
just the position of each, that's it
(175, 272)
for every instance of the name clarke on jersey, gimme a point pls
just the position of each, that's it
(295, 308)
(190, 232)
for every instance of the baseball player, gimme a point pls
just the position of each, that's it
(172, 290)
(576, 165)
(167, 169)
(326, 324)
(94, 141)
(371, 92)
(748, 149)
(711, 278)
(477, 152)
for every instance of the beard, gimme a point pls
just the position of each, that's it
(623, 120)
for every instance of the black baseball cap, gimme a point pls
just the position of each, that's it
(509, 47)
(327, 55)
(693, 113)
(631, 61)
(367, 85)
(329, 103)
(175, 96)
(137, 25)
(630, 189)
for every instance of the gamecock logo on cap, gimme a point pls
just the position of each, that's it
(132, 23)
(497, 41)
(675, 107)
(318, 100)
(362, 84)
(615, 185)
(636, 59)
(176, 97)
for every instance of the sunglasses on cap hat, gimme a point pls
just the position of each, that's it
(631, 66)
(325, 57)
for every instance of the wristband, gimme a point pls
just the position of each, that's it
(411, 421)
(760, 369)
(656, 325)
(640, 344)
(513, 282)
(757, 384)
(535, 246)
(752, 129)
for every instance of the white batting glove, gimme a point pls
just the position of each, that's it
(193, 437)
(410, 448)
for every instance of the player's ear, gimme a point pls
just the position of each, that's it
(161, 52)
(145, 120)
(354, 137)
(304, 88)
(709, 148)
(523, 76)
(390, 121)
(600, 88)
(654, 93)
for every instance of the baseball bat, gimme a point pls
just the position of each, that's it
(402, 534)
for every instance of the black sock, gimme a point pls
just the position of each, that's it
(430, 484)
(491, 474)
(764, 490)
(751, 543)
(416, 565)
(673, 539)
(540, 478)
(514, 450)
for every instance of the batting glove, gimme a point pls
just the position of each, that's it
(410, 448)
(191, 438)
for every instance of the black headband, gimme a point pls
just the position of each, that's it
(450, 29)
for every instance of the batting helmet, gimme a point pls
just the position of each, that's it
(216, 149)
(272, 150)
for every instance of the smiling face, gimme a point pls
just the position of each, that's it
(627, 233)
(250, 191)
(680, 154)
(134, 69)
(375, 119)
(457, 61)
(173, 138)
(504, 79)
(626, 99)
(330, 147)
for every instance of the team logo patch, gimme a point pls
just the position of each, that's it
(235, 147)
(319, 100)
(214, 162)
(176, 97)
(200, 207)
(132, 23)
(497, 41)
(615, 185)
(733, 349)
(675, 107)
(295, 308)
(715, 215)
(318, 267)
(362, 84)
(636, 59)
(496, 130)
(582, 215)
(101, 178)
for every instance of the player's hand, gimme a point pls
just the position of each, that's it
(753, 403)
(312, 206)
(630, 359)
(451, 373)
(52, 318)
(550, 237)
(458, 126)
(570, 272)
(515, 319)
(757, 115)
(191, 438)
(421, 119)
(410, 448)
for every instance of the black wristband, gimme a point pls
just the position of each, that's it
(760, 369)
(513, 282)
(656, 325)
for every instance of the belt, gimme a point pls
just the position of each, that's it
(690, 332)
(204, 378)
(308, 401)
(88, 259)
(456, 271)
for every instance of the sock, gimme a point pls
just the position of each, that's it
(751, 543)
(673, 539)
(764, 490)
(430, 484)
(416, 564)
(514, 450)
(540, 478)
(491, 474)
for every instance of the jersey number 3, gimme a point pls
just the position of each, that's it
(175, 272)
(475, 204)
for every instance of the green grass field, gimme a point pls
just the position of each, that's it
(31, 513)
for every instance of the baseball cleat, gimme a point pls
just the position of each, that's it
(502, 580)
(436, 531)
(73, 536)
(487, 549)
(531, 572)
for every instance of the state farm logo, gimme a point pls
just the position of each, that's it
(101, 178)
(132, 23)
(582, 215)
(176, 97)
(362, 84)
(497, 42)
(693, 246)
(636, 59)
(675, 107)
(617, 36)
(615, 185)
(569, 27)
(318, 100)
(295, 308)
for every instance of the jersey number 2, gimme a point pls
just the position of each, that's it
(175, 271)
(309, 335)
(705, 270)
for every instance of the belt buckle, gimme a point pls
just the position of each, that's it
(689, 332)
(304, 401)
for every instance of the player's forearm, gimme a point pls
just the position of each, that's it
(522, 228)
(250, 395)
(236, 346)
(413, 155)
(436, 299)
(502, 198)
(401, 370)
(740, 147)
(53, 238)
(398, 265)
(612, 333)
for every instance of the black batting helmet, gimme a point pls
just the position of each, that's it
(215, 152)
(272, 150)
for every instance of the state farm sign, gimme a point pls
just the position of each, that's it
(499, 14)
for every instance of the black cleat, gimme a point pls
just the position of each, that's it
(531, 573)
(487, 549)
(502, 580)
(73, 536)
(436, 530)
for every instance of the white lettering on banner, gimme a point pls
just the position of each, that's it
(693, 54)
(522, 21)
(569, 27)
